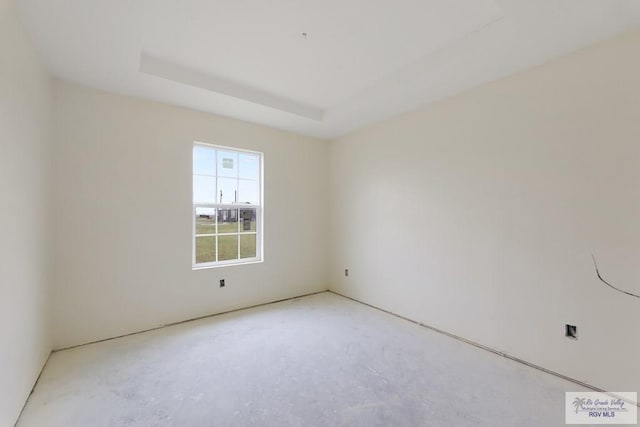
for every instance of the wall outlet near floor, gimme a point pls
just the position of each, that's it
(222, 283)
(571, 331)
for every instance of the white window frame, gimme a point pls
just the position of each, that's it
(259, 233)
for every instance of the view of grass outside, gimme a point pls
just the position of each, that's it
(205, 249)
(247, 245)
(227, 247)
(227, 243)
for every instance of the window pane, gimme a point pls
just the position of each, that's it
(249, 166)
(227, 220)
(227, 247)
(205, 249)
(205, 221)
(227, 188)
(247, 245)
(204, 160)
(204, 189)
(227, 164)
(248, 192)
(247, 220)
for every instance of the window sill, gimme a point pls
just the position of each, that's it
(230, 264)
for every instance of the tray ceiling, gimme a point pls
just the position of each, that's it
(317, 68)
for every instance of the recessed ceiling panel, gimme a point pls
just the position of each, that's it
(171, 71)
(317, 53)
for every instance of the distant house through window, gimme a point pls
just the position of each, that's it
(227, 206)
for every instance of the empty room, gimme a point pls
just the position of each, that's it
(319, 213)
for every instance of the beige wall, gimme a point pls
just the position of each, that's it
(25, 105)
(123, 216)
(478, 215)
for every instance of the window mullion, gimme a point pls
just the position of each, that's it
(216, 237)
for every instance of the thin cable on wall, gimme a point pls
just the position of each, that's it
(595, 264)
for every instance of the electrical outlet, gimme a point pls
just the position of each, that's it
(222, 283)
(571, 331)
(346, 272)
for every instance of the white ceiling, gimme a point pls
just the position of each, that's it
(361, 61)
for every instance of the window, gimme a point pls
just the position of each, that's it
(227, 206)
